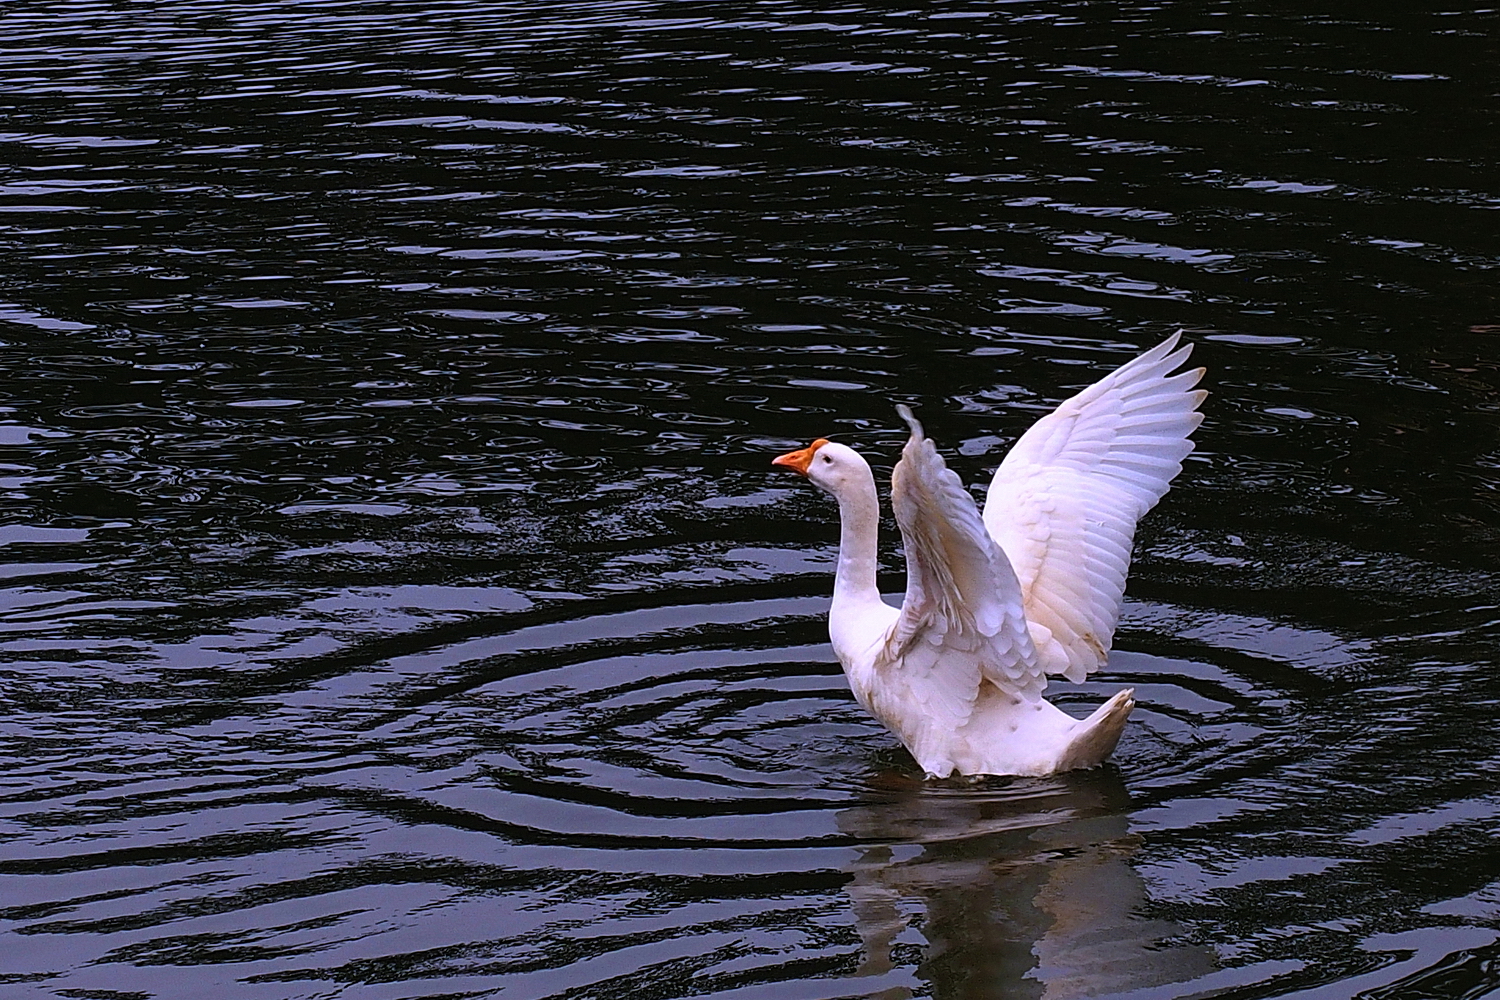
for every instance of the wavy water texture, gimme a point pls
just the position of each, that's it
(397, 601)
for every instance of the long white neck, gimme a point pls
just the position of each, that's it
(859, 537)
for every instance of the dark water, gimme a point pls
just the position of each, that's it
(398, 602)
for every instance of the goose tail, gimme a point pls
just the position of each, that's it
(1095, 737)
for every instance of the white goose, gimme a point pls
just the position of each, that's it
(995, 605)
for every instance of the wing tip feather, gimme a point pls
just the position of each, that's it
(904, 412)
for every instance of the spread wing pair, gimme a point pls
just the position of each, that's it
(1034, 586)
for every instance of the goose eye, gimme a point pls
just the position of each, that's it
(827, 459)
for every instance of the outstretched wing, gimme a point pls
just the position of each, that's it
(962, 620)
(1065, 502)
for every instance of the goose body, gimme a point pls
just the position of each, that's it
(997, 602)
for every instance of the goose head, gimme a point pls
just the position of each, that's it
(834, 468)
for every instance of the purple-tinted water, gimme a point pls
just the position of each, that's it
(398, 602)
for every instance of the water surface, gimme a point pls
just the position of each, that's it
(398, 601)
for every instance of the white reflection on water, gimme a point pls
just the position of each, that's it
(1020, 890)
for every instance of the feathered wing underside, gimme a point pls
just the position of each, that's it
(1064, 504)
(962, 621)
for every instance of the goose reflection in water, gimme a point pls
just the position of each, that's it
(1020, 888)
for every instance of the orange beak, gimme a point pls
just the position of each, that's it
(798, 461)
